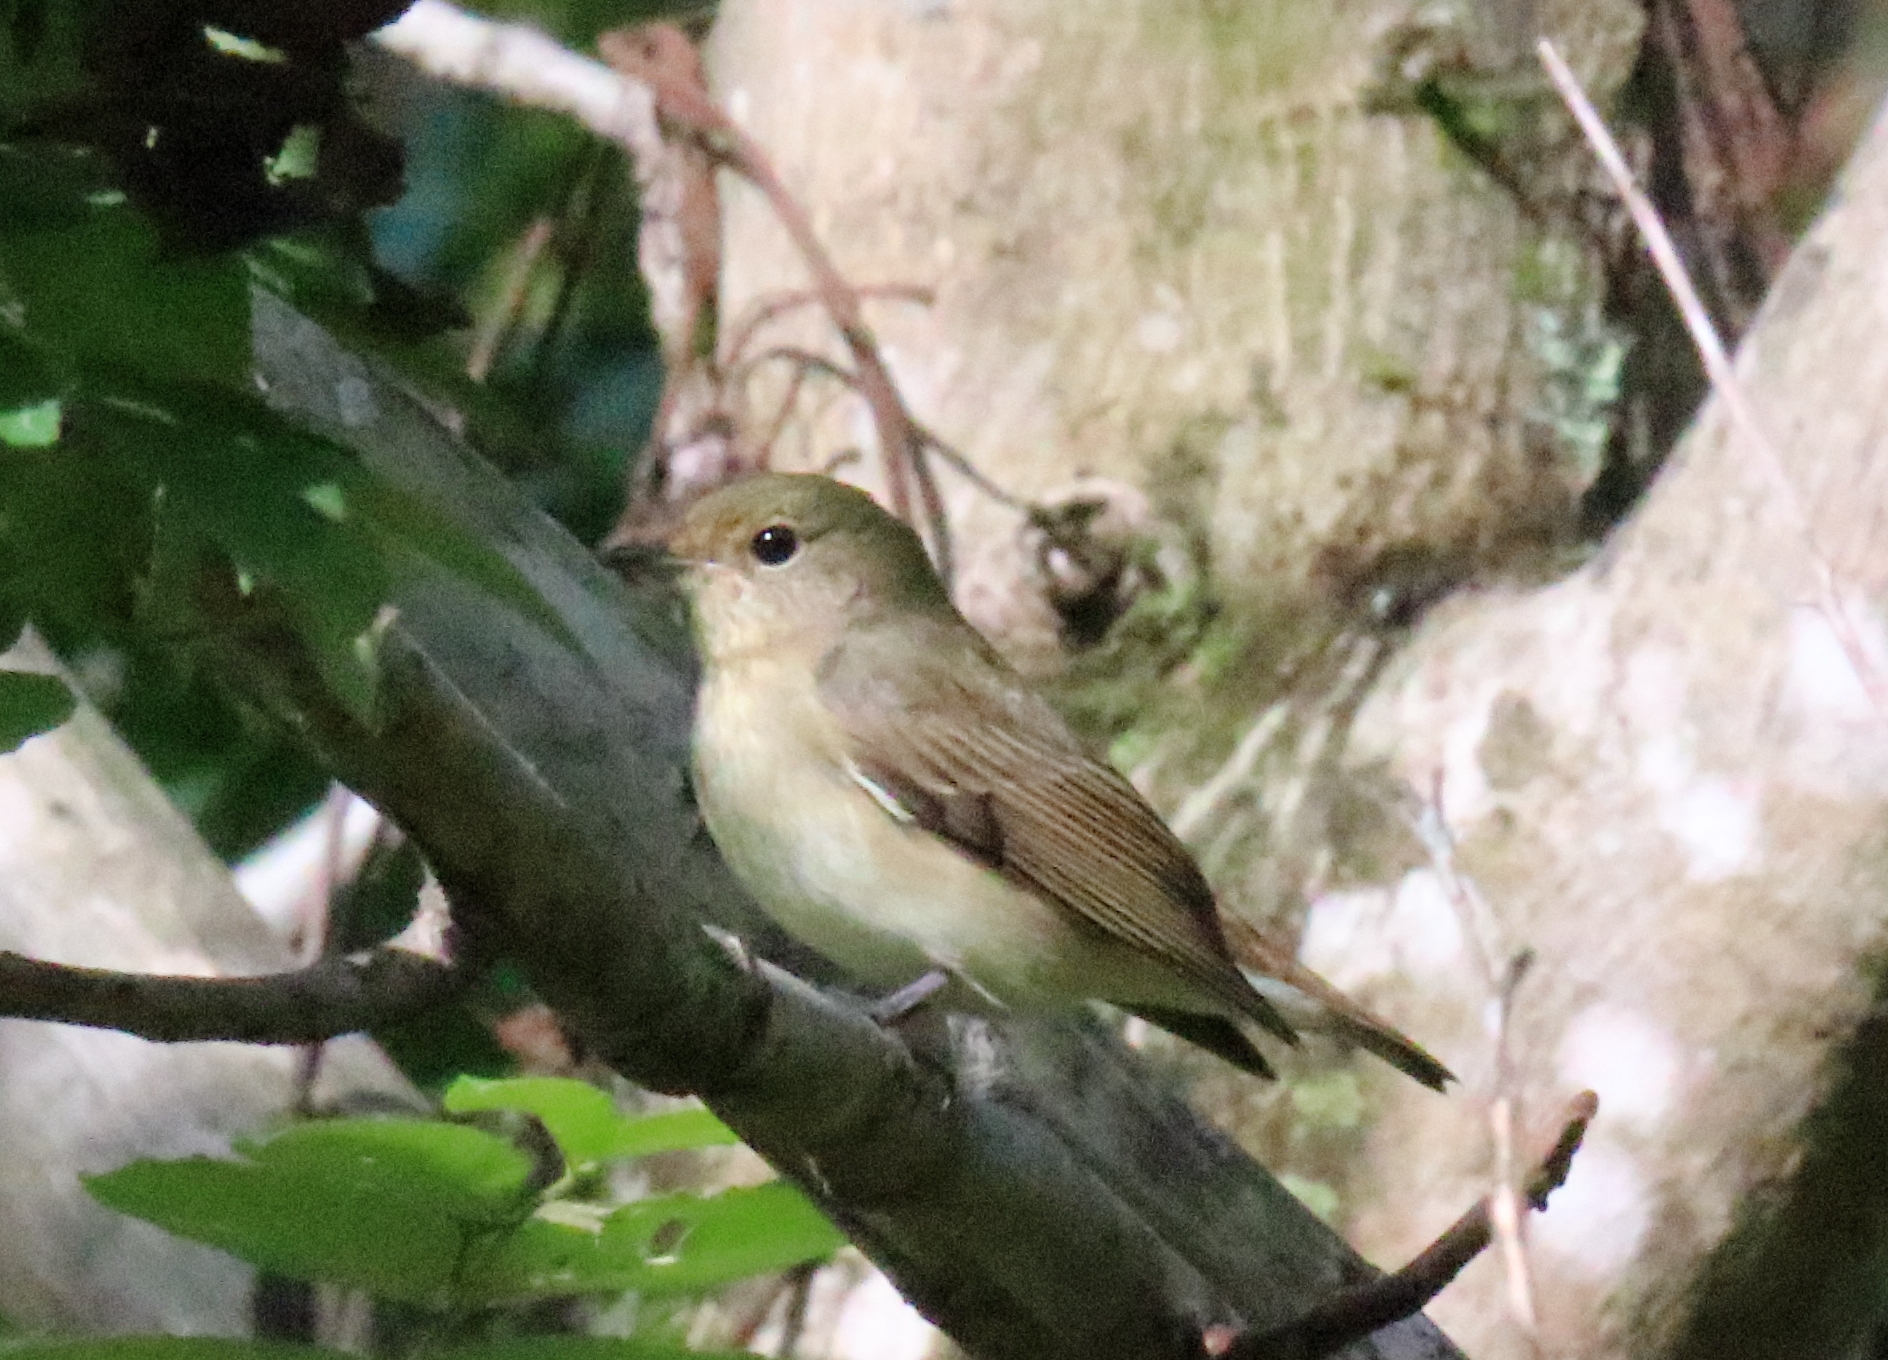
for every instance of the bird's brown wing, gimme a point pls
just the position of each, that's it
(963, 748)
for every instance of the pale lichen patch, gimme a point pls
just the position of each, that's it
(1716, 821)
(1359, 935)
(1634, 1063)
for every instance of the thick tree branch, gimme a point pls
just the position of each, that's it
(331, 998)
(1021, 1183)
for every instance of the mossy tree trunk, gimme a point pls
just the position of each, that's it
(1175, 247)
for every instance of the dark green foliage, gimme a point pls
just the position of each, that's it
(155, 173)
(142, 460)
(579, 362)
(223, 119)
(29, 705)
(434, 1048)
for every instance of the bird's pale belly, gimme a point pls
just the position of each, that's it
(885, 900)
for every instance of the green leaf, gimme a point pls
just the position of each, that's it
(674, 1131)
(31, 427)
(27, 376)
(668, 1244)
(468, 1174)
(234, 473)
(98, 288)
(30, 704)
(386, 1205)
(161, 1348)
(327, 500)
(296, 511)
(585, 1122)
(1320, 1198)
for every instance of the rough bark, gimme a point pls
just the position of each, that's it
(1172, 249)
(1669, 782)
(1173, 246)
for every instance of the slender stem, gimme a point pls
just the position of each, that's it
(331, 997)
(1717, 362)
(1353, 1314)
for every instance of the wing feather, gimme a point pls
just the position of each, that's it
(956, 738)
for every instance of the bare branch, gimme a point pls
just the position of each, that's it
(685, 106)
(805, 361)
(332, 997)
(952, 458)
(504, 313)
(1355, 1313)
(1504, 1201)
(1431, 827)
(520, 63)
(771, 308)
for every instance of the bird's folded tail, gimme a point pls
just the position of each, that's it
(1320, 1007)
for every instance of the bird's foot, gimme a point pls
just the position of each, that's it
(890, 1010)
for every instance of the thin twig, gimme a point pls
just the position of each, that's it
(898, 440)
(803, 359)
(1354, 1313)
(764, 450)
(1717, 362)
(522, 64)
(806, 361)
(939, 522)
(686, 106)
(504, 314)
(579, 224)
(968, 470)
(1431, 828)
(331, 997)
(799, 1296)
(1204, 801)
(1504, 1200)
(518, 62)
(1472, 911)
(741, 1337)
(774, 306)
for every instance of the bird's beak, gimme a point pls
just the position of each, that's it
(641, 563)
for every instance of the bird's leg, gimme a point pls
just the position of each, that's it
(889, 1010)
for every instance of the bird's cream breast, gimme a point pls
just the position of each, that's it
(886, 900)
(770, 777)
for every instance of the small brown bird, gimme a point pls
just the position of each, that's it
(896, 796)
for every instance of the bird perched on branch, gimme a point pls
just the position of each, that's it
(895, 796)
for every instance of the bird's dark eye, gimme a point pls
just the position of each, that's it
(775, 545)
